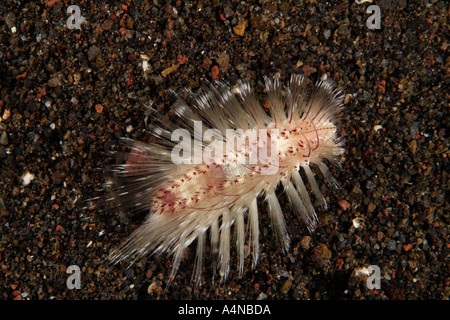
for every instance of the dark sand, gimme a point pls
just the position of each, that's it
(67, 96)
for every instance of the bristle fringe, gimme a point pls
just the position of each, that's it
(190, 201)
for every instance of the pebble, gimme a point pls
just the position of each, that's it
(313, 40)
(4, 138)
(287, 285)
(391, 245)
(55, 82)
(27, 177)
(93, 52)
(239, 29)
(215, 72)
(344, 204)
(169, 70)
(223, 61)
(154, 289)
(10, 19)
(262, 296)
(6, 114)
(228, 12)
(371, 207)
(377, 128)
(357, 222)
(343, 31)
(306, 242)
(325, 253)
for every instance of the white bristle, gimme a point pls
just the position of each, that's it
(240, 238)
(279, 225)
(254, 230)
(224, 247)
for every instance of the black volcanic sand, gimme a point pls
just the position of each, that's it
(68, 95)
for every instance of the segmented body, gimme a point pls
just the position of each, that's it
(220, 194)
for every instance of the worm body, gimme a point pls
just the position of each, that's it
(201, 178)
